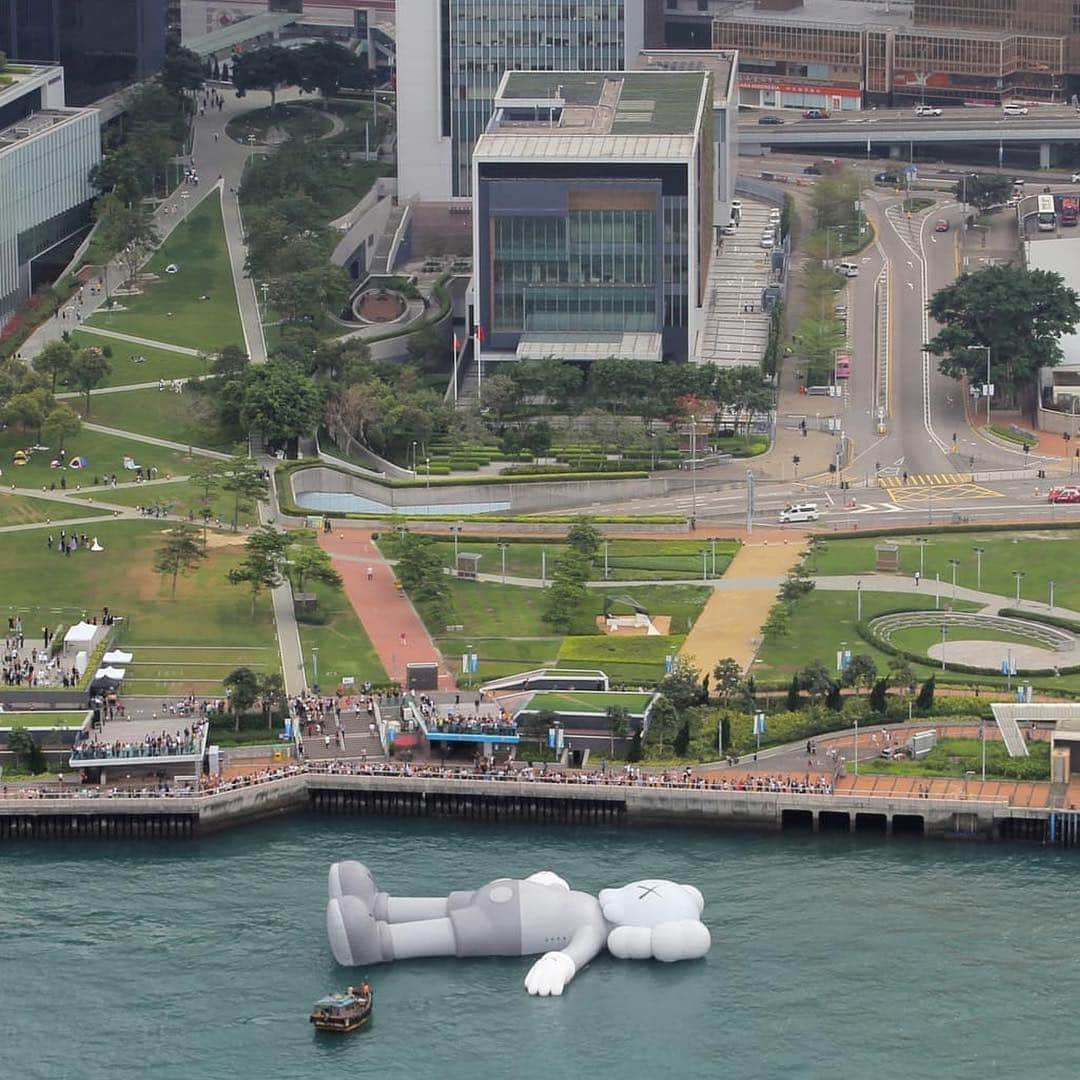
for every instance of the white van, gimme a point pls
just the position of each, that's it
(848, 269)
(799, 512)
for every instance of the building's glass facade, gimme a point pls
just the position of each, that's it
(483, 38)
(591, 270)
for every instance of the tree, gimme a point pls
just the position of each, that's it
(181, 552)
(860, 672)
(501, 395)
(815, 679)
(681, 743)
(682, 685)
(61, 424)
(271, 688)
(303, 295)
(182, 70)
(584, 538)
(206, 477)
(28, 410)
(128, 229)
(420, 570)
(310, 561)
(1021, 314)
(269, 68)
(567, 592)
(727, 676)
(796, 584)
(279, 402)
(88, 368)
(242, 685)
(326, 66)
(26, 750)
(902, 675)
(232, 360)
(662, 723)
(925, 700)
(877, 696)
(984, 190)
(833, 699)
(54, 360)
(261, 566)
(793, 702)
(634, 753)
(618, 721)
(243, 479)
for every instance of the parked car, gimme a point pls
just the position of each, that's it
(730, 229)
(941, 225)
(816, 114)
(768, 118)
(768, 240)
(887, 178)
(927, 110)
(1064, 495)
(799, 512)
(1014, 110)
(812, 170)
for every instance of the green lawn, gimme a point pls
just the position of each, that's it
(189, 418)
(1041, 555)
(821, 621)
(628, 560)
(169, 309)
(183, 496)
(344, 647)
(623, 659)
(126, 368)
(955, 757)
(206, 631)
(500, 656)
(920, 638)
(17, 510)
(74, 719)
(104, 454)
(579, 701)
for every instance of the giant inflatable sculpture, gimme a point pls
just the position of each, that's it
(509, 917)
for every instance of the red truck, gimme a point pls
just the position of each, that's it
(1070, 209)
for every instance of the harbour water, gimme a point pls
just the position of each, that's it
(833, 956)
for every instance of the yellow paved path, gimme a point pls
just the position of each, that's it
(731, 621)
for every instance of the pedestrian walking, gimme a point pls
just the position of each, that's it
(402, 637)
(370, 574)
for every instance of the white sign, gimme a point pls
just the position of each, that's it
(348, 680)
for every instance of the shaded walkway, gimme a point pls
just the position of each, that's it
(385, 613)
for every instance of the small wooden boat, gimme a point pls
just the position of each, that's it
(344, 1012)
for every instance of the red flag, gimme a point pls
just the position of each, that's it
(480, 335)
(457, 345)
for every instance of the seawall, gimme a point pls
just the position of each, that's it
(187, 816)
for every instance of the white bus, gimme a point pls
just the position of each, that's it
(1046, 219)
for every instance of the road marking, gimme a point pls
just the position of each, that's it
(925, 479)
(910, 286)
(876, 508)
(942, 493)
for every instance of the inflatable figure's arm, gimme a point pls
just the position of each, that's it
(551, 973)
(681, 939)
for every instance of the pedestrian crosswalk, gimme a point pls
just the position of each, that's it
(924, 480)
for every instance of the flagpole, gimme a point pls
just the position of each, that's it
(457, 353)
(479, 360)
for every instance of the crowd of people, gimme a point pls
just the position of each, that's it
(163, 744)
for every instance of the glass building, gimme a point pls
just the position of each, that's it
(46, 154)
(592, 214)
(451, 55)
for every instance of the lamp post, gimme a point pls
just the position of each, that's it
(979, 553)
(265, 289)
(954, 563)
(858, 600)
(856, 746)
(414, 445)
(982, 736)
(712, 540)
(427, 465)
(607, 544)
(704, 564)
(986, 387)
(922, 542)
(456, 532)
(937, 589)
(315, 664)
(944, 638)
(1019, 575)
(502, 549)
(693, 471)
(1052, 583)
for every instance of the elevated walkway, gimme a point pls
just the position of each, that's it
(1007, 718)
(549, 679)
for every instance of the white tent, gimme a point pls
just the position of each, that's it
(109, 673)
(82, 658)
(81, 635)
(117, 656)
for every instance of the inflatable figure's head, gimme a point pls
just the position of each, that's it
(648, 903)
(657, 919)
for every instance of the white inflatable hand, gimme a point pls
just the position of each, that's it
(630, 942)
(550, 974)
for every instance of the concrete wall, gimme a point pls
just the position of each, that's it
(1058, 422)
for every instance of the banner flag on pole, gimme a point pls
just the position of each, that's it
(759, 723)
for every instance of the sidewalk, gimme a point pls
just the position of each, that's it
(387, 615)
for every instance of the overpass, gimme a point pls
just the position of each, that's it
(867, 129)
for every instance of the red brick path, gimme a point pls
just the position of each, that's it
(385, 612)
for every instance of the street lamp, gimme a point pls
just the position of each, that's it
(712, 540)
(265, 289)
(315, 664)
(986, 388)
(944, 638)
(858, 600)
(427, 464)
(1019, 575)
(704, 564)
(456, 531)
(979, 553)
(693, 471)
(414, 445)
(922, 542)
(954, 563)
(1052, 583)
(502, 549)
(607, 544)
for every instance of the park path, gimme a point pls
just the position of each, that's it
(153, 440)
(387, 615)
(731, 621)
(146, 343)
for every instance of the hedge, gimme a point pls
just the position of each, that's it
(967, 527)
